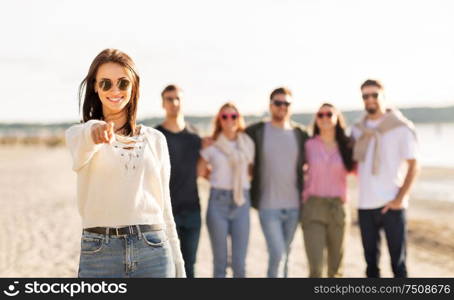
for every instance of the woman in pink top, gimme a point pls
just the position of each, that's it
(325, 215)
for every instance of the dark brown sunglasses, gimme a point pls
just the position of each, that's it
(106, 84)
(279, 103)
(329, 115)
(367, 96)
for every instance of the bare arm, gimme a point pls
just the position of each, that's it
(207, 141)
(412, 173)
(203, 168)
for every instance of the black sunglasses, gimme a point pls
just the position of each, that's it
(279, 103)
(106, 84)
(320, 115)
(373, 95)
(170, 99)
(232, 116)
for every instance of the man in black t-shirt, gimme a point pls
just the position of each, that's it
(184, 146)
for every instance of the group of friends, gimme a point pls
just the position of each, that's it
(138, 194)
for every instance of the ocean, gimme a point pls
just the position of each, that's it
(436, 143)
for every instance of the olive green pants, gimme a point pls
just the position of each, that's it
(325, 224)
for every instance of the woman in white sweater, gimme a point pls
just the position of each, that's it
(123, 172)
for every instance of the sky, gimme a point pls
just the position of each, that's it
(220, 51)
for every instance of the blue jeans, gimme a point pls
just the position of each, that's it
(188, 227)
(224, 218)
(147, 254)
(279, 227)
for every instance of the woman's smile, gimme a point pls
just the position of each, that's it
(116, 99)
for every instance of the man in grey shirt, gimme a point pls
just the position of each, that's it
(278, 178)
(280, 156)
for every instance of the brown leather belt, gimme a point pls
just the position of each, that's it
(128, 230)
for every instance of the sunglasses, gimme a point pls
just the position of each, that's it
(320, 115)
(227, 116)
(170, 99)
(373, 95)
(279, 103)
(106, 84)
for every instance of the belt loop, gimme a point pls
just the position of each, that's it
(139, 233)
(107, 235)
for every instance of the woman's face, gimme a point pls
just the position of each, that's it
(229, 119)
(114, 87)
(326, 118)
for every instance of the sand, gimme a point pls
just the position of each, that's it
(40, 227)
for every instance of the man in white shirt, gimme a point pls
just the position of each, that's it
(386, 152)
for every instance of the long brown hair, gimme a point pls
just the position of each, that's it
(344, 143)
(217, 120)
(89, 99)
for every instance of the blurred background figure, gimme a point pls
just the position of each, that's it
(325, 217)
(184, 145)
(277, 181)
(230, 159)
(387, 154)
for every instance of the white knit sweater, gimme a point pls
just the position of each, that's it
(120, 187)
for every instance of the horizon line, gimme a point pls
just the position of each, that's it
(264, 113)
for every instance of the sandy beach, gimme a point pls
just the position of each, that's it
(40, 227)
